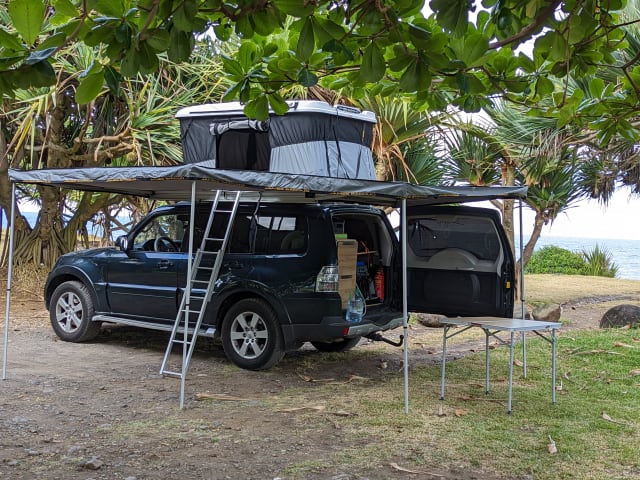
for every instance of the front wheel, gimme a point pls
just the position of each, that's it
(251, 335)
(71, 311)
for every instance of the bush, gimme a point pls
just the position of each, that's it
(599, 262)
(552, 259)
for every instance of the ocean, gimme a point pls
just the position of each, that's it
(625, 253)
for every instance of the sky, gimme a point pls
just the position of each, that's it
(588, 219)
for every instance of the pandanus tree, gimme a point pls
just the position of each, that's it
(127, 122)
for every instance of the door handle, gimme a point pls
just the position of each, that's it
(164, 264)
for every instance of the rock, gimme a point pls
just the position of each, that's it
(621, 316)
(548, 312)
(92, 464)
(430, 320)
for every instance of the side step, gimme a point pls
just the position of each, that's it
(209, 332)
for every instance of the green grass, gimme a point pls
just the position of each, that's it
(594, 376)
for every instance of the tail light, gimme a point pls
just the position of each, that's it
(327, 279)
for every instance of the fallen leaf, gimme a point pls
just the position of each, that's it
(316, 380)
(634, 339)
(559, 387)
(395, 466)
(551, 446)
(343, 413)
(635, 373)
(315, 408)
(441, 412)
(620, 344)
(606, 416)
(383, 365)
(518, 363)
(220, 396)
(353, 378)
(460, 412)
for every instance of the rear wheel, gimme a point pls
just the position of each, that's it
(251, 335)
(339, 346)
(71, 311)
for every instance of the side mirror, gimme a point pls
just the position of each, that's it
(123, 242)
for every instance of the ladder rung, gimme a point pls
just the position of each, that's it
(171, 374)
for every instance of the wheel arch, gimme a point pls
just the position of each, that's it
(69, 275)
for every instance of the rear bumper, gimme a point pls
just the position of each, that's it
(336, 327)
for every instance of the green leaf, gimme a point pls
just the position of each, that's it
(65, 7)
(306, 41)
(53, 41)
(410, 81)
(27, 17)
(373, 64)
(452, 15)
(89, 88)
(232, 66)
(247, 54)
(257, 108)
(307, 78)
(596, 87)
(278, 105)
(113, 8)
(544, 87)
(39, 56)
(295, 8)
(112, 78)
(266, 21)
(180, 45)
(159, 40)
(185, 14)
(232, 92)
(470, 49)
(39, 74)
(223, 31)
(10, 42)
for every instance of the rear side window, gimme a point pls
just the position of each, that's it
(429, 235)
(280, 234)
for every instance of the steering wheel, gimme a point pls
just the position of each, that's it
(164, 244)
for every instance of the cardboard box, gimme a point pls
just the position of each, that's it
(347, 259)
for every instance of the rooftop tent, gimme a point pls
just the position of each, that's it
(312, 138)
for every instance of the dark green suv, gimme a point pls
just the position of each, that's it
(282, 282)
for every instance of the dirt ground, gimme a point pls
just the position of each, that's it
(102, 411)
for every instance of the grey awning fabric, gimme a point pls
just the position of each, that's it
(174, 183)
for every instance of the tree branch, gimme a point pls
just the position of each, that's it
(527, 31)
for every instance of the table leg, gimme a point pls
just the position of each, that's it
(524, 355)
(444, 359)
(553, 365)
(510, 373)
(486, 362)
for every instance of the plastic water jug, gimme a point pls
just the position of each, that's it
(355, 307)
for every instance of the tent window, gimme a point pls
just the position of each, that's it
(243, 150)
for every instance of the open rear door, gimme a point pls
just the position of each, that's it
(458, 262)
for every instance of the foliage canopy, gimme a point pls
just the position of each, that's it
(451, 52)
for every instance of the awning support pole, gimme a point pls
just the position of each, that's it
(9, 279)
(405, 307)
(522, 303)
(187, 292)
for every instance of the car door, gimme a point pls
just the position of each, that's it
(459, 262)
(145, 283)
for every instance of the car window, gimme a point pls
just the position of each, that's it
(162, 233)
(478, 235)
(280, 234)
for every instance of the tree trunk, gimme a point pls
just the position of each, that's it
(527, 252)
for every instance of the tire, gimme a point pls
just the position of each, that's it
(342, 345)
(251, 335)
(71, 311)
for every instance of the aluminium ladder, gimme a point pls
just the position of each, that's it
(189, 318)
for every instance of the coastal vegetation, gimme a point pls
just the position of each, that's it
(552, 259)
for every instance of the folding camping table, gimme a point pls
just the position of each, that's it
(491, 327)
